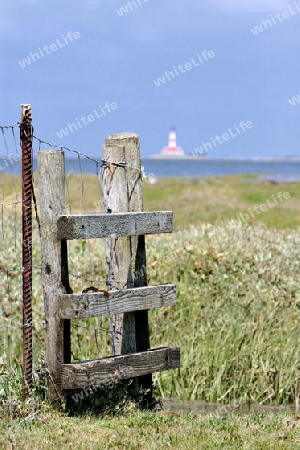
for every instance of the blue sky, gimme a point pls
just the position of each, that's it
(117, 58)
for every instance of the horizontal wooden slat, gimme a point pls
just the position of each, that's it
(92, 226)
(76, 306)
(91, 373)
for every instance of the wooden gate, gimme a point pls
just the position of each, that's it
(123, 225)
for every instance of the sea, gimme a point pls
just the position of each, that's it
(285, 170)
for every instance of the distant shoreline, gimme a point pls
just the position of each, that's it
(205, 158)
(191, 158)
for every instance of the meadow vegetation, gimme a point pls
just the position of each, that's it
(141, 430)
(236, 319)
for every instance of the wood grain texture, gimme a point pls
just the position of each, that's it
(79, 306)
(91, 373)
(123, 192)
(92, 226)
(51, 173)
(118, 249)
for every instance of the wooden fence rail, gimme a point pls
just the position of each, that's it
(123, 225)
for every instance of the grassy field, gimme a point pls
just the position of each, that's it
(206, 199)
(236, 319)
(155, 431)
(221, 198)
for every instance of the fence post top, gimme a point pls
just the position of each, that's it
(62, 152)
(120, 136)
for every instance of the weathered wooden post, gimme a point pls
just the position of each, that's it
(125, 256)
(51, 172)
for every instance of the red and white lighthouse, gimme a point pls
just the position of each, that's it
(172, 149)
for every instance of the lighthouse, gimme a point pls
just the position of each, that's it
(172, 149)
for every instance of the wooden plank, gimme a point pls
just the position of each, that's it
(92, 226)
(91, 373)
(80, 306)
(51, 173)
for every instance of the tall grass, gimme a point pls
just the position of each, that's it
(236, 318)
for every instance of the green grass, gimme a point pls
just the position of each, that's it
(205, 199)
(146, 430)
(236, 319)
(210, 200)
(237, 315)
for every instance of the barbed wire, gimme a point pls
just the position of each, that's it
(9, 126)
(17, 202)
(101, 161)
